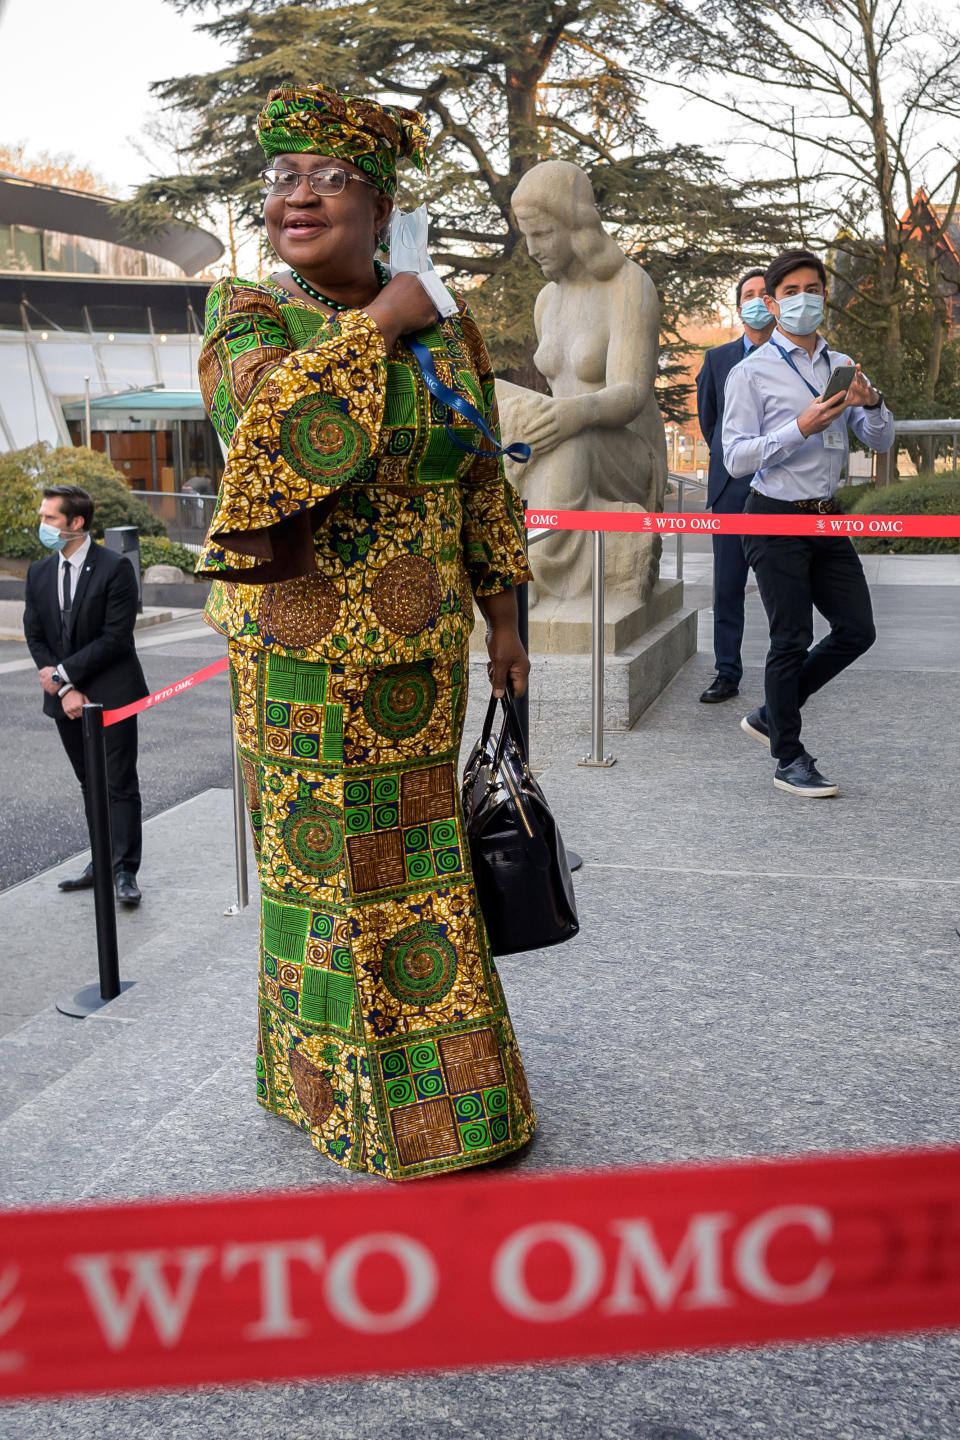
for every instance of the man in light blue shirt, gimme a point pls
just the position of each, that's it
(778, 430)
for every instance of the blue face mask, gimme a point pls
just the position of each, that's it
(755, 314)
(801, 314)
(53, 538)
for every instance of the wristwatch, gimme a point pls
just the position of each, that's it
(57, 678)
(877, 403)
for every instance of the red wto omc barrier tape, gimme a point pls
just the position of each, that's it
(689, 524)
(466, 1272)
(110, 717)
(863, 526)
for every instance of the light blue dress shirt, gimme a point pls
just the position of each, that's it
(762, 399)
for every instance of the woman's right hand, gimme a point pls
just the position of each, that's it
(402, 308)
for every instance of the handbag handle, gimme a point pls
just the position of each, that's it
(511, 725)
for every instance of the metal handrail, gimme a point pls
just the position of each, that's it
(681, 480)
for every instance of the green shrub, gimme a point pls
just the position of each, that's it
(22, 545)
(158, 550)
(922, 495)
(24, 473)
(19, 503)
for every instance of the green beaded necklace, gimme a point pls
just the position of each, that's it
(337, 305)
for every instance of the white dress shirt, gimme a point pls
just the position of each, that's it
(76, 561)
(764, 394)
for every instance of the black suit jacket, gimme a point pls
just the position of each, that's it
(717, 364)
(101, 658)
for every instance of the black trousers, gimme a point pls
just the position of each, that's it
(122, 783)
(730, 571)
(794, 574)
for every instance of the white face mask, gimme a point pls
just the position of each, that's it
(755, 314)
(801, 314)
(52, 537)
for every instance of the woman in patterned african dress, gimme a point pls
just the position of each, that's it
(349, 541)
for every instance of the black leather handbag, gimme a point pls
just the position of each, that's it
(519, 864)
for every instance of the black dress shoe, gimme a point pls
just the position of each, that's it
(720, 689)
(82, 882)
(128, 891)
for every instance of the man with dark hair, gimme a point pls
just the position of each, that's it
(726, 495)
(794, 448)
(81, 607)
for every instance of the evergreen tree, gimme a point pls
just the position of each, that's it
(507, 85)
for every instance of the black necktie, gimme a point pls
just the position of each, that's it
(65, 608)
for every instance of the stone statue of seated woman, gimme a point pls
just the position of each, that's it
(597, 439)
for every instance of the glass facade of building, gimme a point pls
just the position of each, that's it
(83, 315)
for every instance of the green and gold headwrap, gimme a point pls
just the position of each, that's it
(372, 136)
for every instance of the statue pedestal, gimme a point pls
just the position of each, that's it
(644, 648)
(565, 627)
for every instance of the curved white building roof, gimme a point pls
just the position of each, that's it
(75, 212)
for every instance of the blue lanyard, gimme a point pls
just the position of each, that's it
(518, 452)
(793, 366)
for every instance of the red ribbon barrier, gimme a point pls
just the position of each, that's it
(110, 717)
(464, 1272)
(697, 523)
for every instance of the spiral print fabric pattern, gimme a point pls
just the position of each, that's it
(384, 1034)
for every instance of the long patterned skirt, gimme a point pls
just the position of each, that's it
(384, 1033)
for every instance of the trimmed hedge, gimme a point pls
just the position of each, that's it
(923, 495)
(158, 550)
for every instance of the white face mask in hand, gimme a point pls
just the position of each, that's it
(801, 314)
(408, 253)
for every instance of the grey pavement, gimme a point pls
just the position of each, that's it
(184, 748)
(755, 975)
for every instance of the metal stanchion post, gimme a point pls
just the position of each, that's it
(92, 997)
(597, 757)
(521, 703)
(239, 832)
(679, 536)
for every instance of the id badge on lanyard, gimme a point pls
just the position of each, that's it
(833, 439)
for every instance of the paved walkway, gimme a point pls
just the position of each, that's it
(754, 975)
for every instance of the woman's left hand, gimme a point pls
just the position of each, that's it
(508, 660)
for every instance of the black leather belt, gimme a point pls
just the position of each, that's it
(827, 506)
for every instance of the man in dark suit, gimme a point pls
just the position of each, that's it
(725, 495)
(81, 607)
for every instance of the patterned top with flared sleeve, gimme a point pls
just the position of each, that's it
(318, 417)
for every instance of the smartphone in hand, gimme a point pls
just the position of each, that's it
(841, 378)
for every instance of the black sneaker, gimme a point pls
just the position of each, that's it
(754, 724)
(801, 777)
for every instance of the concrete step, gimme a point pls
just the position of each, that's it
(155, 1046)
(46, 1048)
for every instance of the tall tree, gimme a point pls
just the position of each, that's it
(856, 107)
(508, 85)
(60, 169)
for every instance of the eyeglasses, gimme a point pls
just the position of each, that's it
(322, 182)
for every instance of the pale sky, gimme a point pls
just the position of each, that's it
(75, 76)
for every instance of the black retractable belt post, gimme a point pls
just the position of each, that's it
(521, 703)
(92, 997)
